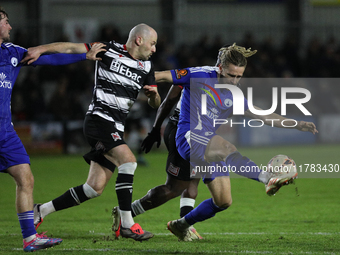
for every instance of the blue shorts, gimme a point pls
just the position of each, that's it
(191, 146)
(12, 151)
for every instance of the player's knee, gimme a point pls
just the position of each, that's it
(224, 204)
(25, 182)
(92, 192)
(229, 148)
(219, 152)
(174, 191)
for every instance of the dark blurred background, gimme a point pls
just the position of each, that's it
(297, 39)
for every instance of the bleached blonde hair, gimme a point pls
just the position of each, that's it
(235, 55)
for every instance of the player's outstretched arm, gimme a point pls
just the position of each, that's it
(34, 53)
(65, 59)
(163, 76)
(307, 127)
(276, 120)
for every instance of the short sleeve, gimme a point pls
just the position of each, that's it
(150, 79)
(181, 77)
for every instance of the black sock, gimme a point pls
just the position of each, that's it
(124, 191)
(74, 196)
(185, 210)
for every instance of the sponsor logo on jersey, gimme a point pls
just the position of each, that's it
(214, 110)
(120, 68)
(228, 102)
(14, 61)
(208, 133)
(4, 83)
(212, 115)
(140, 65)
(181, 73)
(116, 136)
(174, 170)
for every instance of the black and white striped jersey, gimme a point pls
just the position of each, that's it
(118, 79)
(175, 116)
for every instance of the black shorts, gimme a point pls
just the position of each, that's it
(102, 135)
(176, 166)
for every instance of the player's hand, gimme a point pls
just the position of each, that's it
(150, 91)
(32, 55)
(307, 127)
(95, 49)
(153, 136)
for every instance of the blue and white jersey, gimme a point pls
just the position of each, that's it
(197, 81)
(11, 55)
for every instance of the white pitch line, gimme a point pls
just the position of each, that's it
(212, 252)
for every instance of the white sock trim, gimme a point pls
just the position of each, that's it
(137, 207)
(264, 177)
(30, 238)
(185, 201)
(127, 168)
(126, 218)
(89, 191)
(46, 209)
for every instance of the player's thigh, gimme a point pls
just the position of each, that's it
(12, 152)
(220, 190)
(176, 185)
(98, 177)
(120, 155)
(218, 149)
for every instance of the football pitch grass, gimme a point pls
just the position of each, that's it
(300, 219)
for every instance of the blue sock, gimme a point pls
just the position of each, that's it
(243, 166)
(203, 211)
(26, 220)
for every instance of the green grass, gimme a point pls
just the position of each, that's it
(287, 223)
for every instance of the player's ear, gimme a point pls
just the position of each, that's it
(139, 40)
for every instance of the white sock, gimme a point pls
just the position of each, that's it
(137, 207)
(30, 238)
(185, 201)
(264, 177)
(126, 218)
(46, 209)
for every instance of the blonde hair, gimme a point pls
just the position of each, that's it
(235, 55)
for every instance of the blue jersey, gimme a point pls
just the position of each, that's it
(10, 65)
(197, 81)
(11, 55)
